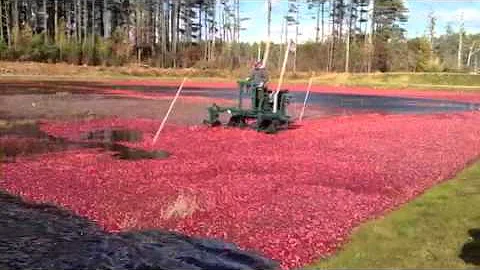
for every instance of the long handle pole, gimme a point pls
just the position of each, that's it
(269, 22)
(169, 111)
(266, 53)
(280, 80)
(284, 67)
(306, 98)
(259, 52)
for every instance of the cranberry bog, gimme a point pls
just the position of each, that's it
(294, 197)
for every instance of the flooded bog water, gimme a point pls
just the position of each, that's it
(26, 139)
(334, 102)
(114, 135)
(329, 103)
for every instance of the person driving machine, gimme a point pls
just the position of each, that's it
(259, 75)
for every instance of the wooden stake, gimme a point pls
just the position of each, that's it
(306, 98)
(169, 111)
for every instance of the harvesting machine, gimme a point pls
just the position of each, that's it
(267, 110)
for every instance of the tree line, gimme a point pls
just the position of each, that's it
(349, 35)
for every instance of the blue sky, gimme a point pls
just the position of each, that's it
(446, 11)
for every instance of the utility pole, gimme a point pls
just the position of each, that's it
(55, 21)
(77, 20)
(323, 21)
(431, 30)
(93, 23)
(16, 24)
(174, 24)
(282, 32)
(85, 22)
(68, 23)
(269, 17)
(317, 29)
(371, 10)
(347, 46)
(237, 6)
(1, 21)
(269, 22)
(8, 24)
(213, 35)
(45, 21)
(107, 16)
(296, 39)
(460, 44)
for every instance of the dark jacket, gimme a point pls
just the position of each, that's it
(258, 76)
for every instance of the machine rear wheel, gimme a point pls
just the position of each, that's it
(273, 127)
(212, 124)
(263, 124)
(237, 121)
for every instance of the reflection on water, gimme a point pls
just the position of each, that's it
(114, 135)
(27, 139)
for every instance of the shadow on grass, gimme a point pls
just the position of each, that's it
(470, 252)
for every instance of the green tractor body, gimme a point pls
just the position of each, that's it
(267, 112)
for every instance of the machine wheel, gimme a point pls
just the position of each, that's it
(243, 123)
(273, 127)
(263, 124)
(237, 121)
(212, 124)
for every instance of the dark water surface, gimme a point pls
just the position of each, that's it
(329, 102)
(39, 143)
(357, 103)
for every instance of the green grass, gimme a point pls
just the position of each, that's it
(428, 232)
(386, 81)
(444, 81)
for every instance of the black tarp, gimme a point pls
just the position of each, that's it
(41, 236)
(470, 252)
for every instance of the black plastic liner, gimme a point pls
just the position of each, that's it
(470, 252)
(41, 236)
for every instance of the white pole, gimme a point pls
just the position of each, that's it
(267, 52)
(169, 111)
(259, 52)
(284, 66)
(269, 22)
(306, 98)
(280, 80)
